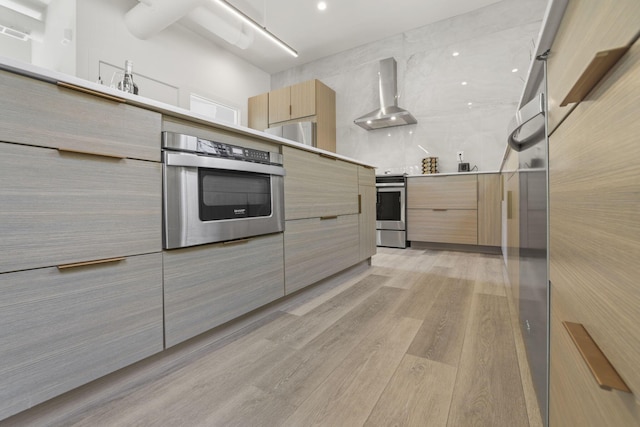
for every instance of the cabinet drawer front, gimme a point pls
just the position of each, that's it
(445, 192)
(42, 114)
(64, 328)
(450, 226)
(317, 186)
(588, 27)
(315, 249)
(206, 286)
(575, 399)
(62, 208)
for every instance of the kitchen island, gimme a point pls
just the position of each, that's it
(87, 287)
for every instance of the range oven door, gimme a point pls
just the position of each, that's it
(210, 199)
(390, 208)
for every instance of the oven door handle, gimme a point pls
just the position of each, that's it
(195, 161)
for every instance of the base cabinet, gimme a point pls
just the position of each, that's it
(206, 286)
(316, 248)
(443, 209)
(64, 328)
(367, 218)
(594, 249)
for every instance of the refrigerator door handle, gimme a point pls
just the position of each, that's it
(524, 116)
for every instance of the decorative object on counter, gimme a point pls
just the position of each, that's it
(464, 167)
(127, 84)
(429, 165)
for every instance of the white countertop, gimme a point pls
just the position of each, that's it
(431, 175)
(54, 77)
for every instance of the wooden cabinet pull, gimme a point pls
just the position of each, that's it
(603, 371)
(236, 242)
(324, 218)
(359, 203)
(509, 205)
(94, 262)
(439, 210)
(595, 71)
(327, 156)
(91, 92)
(90, 153)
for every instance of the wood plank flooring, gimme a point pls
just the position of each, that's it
(420, 338)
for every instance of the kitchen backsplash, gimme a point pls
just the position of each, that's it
(463, 102)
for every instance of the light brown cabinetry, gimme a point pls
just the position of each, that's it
(367, 205)
(80, 261)
(588, 27)
(595, 243)
(489, 209)
(62, 328)
(206, 286)
(316, 248)
(307, 101)
(60, 208)
(323, 230)
(443, 209)
(294, 102)
(42, 114)
(317, 186)
(259, 112)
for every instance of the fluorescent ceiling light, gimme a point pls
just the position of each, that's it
(21, 8)
(256, 26)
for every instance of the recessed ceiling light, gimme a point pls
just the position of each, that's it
(393, 117)
(469, 103)
(322, 5)
(464, 83)
(515, 70)
(456, 53)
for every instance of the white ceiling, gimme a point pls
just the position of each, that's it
(345, 24)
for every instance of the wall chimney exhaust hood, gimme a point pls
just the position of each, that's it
(389, 114)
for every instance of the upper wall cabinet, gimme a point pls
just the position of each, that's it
(294, 102)
(307, 101)
(259, 112)
(593, 35)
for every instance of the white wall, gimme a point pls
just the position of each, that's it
(491, 41)
(57, 50)
(175, 56)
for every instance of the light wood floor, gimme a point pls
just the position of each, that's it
(420, 338)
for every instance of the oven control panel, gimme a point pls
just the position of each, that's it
(221, 149)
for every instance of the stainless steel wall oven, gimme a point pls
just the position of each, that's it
(391, 226)
(215, 192)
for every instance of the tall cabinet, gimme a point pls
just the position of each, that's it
(594, 206)
(307, 101)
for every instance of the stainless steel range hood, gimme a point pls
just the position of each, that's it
(389, 114)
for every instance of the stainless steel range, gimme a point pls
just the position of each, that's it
(391, 225)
